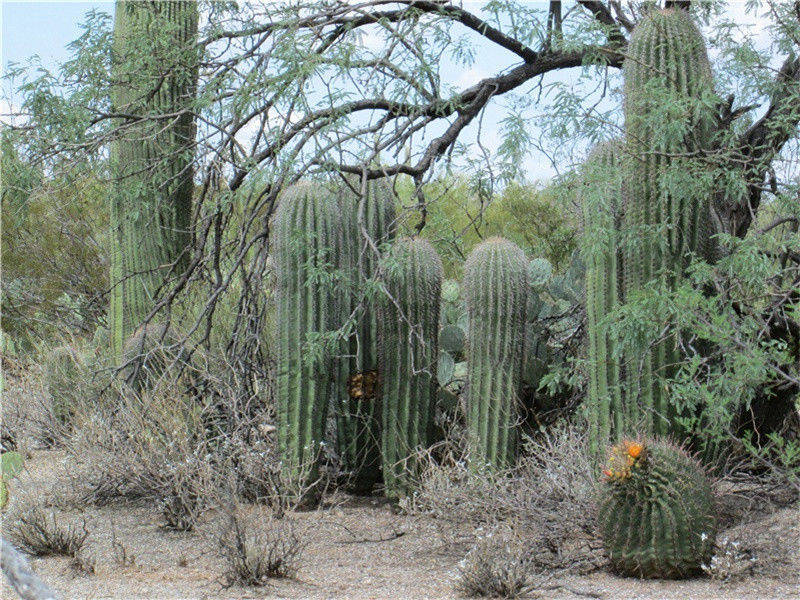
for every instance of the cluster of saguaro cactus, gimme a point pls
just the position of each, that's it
(310, 237)
(151, 203)
(409, 357)
(668, 82)
(656, 511)
(372, 227)
(496, 286)
(602, 207)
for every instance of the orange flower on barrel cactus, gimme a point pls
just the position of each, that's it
(634, 449)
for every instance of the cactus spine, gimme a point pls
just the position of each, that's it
(309, 236)
(359, 412)
(606, 412)
(496, 289)
(667, 81)
(656, 512)
(151, 203)
(409, 354)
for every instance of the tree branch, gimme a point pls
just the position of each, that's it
(762, 142)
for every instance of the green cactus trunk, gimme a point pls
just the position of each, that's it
(309, 234)
(358, 387)
(155, 69)
(656, 511)
(668, 84)
(496, 289)
(607, 414)
(409, 319)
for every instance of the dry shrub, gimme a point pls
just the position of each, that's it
(147, 446)
(257, 547)
(41, 532)
(547, 498)
(495, 567)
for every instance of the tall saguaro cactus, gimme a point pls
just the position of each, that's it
(496, 288)
(309, 239)
(359, 410)
(602, 206)
(409, 352)
(155, 70)
(668, 84)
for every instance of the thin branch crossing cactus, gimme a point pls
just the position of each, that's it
(155, 70)
(310, 237)
(601, 194)
(409, 355)
(496, 288)
(668, 116)
(359, 410)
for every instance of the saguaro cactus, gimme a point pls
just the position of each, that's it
(657, 514)
(496, 289)
(309, 239)
(359, 389)
(409, 319)
(602, 211)
(668, 83)
(155, 67)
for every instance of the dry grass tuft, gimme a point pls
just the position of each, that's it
(41, 532)
(257, 547)
(495, 567)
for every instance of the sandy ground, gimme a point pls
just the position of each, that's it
(359, 548)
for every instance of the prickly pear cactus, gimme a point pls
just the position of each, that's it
(668, 118)
(309, 237)
(409, 357)
(358, 391)
(496, 288)
(656, 513)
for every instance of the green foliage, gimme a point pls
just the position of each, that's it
(409, 358)
(151, 203)
(357, 393)
(496, 288)
(54, 265)
(310, 239)
(668, 115)
(459, 216)
(657, 511)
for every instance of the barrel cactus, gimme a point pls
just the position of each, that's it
(309, 236)
(602, 206)
(155, 69)
(668, 118)
(496, 289)
(409, 320)
(656, 514)
(372, 226)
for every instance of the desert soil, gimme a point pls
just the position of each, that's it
(357, 548)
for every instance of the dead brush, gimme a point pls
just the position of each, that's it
(495, 567)
(257, 547)
(547, 498)
(41, 532)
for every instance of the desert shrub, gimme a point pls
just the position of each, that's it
(54, 258)
(41, 532)
(257, 547)
(547, 498)
(495, 567)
